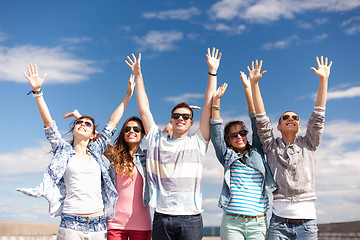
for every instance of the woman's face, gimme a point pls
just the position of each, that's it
(133, 134)
(237, 139)
(83, 128)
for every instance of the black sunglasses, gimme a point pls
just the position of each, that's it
(135, 128)
(242, 133)
(86, 123)
(184, 116)
(294, 117)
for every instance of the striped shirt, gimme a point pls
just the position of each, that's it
(174, 170)
(246, 191)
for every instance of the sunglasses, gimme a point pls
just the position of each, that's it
(135, 128)
(242, 133)
(294, 117)
(86, 123)
(184, 116)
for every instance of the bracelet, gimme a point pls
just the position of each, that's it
(213, 74)
(36, 93)
(216, 107)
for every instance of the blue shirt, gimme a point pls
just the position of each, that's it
(53, 187)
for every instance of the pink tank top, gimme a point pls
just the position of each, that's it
(130, 212)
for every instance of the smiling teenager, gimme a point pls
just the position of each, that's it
(76, 183)
(292, 159)
(247, 177)
(174, 163)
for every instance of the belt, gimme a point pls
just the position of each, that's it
(291, 221)
(245, 216)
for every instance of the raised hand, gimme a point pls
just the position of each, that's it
(134, 64)
(323, 70)
(255, 72)
(33, 77)
(74, 114)
(213, 60)
(220, 91)
(131, 85)
(245, 80)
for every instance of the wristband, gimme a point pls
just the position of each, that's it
(213, 74)
(36, 93)
(216, 107)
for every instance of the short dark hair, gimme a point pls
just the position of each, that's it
(183, 105)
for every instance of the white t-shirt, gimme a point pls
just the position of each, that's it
(83, 186)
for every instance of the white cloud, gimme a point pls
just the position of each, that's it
(32, 159)
(222, 27)
(292, 40)
(159, 41)
(61, 66)
(179, 14)
(75, 40)
(320, 21)
(187, 97)
(281, 44)
(351, 26)
(345, 93)
(304, 25)
(271, 10)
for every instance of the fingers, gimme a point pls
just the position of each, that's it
(35, 69)
(28, 78)
(321, 62)
(194, 107)
(214, 53)
(330, 64)
(44, 76)
(130, 59)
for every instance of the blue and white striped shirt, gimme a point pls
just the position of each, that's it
(246, 191)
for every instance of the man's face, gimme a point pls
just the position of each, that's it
(181, 120)
(289, 122)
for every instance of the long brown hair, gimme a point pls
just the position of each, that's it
(119, 153)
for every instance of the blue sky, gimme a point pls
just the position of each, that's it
(82, 46)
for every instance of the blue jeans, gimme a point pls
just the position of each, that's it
(179, 227)
(306, 230)
(239, 228)
(83, 224)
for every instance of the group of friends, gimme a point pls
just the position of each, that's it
(96, 201)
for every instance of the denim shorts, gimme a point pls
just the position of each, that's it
(82, 223)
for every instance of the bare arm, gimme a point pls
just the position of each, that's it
(213, 61)
(141, 96)
(248, 94)
(119, 111)
(254, 75)
(323, 72)
(36, 83)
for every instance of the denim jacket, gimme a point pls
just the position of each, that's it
(226, 156)
(293, 165)
(139, 160)
(53, 187)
